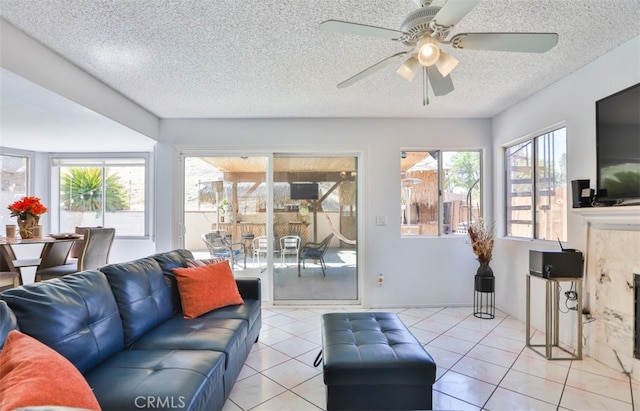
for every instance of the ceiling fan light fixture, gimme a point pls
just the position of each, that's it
(428, 51)
(446, 63)
(409, 68)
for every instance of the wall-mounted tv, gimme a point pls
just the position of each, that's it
(304, 191)
(618, 145)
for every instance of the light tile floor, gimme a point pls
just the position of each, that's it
(481, 365)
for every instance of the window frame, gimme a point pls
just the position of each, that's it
(532, 140)
(440, 181)
(29, 156)
(85, 159)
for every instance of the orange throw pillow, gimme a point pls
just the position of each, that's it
(33, 374)
(206, 288)
(192, 262)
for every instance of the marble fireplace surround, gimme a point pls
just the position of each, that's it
(613, 257)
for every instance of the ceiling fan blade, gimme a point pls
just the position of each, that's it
(368, 71)
(453, 11)
(518, 42)
(440, 84)
(339, 26)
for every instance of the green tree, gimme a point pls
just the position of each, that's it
(465, 169)
(81, 190)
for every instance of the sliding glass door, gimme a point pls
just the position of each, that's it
(315, 206)
(274, 228)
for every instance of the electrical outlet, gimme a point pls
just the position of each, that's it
(381, 220)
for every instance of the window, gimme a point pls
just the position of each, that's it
(108, 192)
(440, 191)
(14, 181)
(536, 187)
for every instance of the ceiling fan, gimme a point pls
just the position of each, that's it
(424, 30)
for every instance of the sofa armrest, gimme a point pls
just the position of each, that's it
(249, 288)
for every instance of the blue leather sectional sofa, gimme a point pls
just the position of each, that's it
(122, 327)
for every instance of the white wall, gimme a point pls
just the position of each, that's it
(570, 100)
(417, 271)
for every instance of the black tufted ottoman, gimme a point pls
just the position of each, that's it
(373, 362)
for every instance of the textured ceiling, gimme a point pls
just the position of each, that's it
(239, 59)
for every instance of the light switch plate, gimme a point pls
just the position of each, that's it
(381, 220)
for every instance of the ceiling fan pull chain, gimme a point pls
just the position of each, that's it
(425, 87)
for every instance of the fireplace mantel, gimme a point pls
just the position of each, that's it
(614, 217)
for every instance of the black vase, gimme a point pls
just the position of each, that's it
(484, 279)
(484, 270)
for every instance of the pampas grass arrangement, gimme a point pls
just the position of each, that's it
(481, 236)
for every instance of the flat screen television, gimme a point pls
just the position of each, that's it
(304, 191)
(618, 146)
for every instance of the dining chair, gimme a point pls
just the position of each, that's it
(95, 252)
(315, 251)
(9, 279)
(289, 245)
(53, 260)
(76, 248)
(9, 262)
(97, 247)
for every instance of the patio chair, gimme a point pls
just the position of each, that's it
(220, 246)
(289, 245)
(260, 248)
(315, 251)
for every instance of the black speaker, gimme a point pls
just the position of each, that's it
(582, 194)
(556, 264)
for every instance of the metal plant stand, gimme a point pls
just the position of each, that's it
(484, 297)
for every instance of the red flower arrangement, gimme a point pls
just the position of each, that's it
(27, 205)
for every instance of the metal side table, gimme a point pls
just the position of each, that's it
(552, 319)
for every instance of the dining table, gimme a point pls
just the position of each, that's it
(18, 254)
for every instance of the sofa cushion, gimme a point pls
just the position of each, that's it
(172, 259)
(206, 288)
(75, 315)
(201, 333)
(250, 312)
(33, 374)
(160, 379)
(7, 322)
(228, 336)
(168, 261)
(142, 295)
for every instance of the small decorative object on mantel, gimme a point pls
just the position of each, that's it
(481, 236)
(28, 211)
